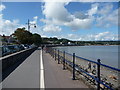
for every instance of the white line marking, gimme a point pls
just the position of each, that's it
(42, 84)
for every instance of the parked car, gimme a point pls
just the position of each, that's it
(25, 46)
(21, 47)
(12, 48)
(16, 47)
(5, 51)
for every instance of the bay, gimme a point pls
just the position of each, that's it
(108, 55)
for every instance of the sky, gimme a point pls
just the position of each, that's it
(86, 21)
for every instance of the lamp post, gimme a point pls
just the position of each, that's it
(29, 24)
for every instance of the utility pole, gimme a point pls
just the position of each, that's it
(29, 24)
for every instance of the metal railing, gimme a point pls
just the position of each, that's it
(99, 75)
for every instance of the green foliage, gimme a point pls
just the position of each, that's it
(23, 36)
(37, 40)
(26, 37)
(64, 41)
(3, 39)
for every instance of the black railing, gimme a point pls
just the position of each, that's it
(83, 66)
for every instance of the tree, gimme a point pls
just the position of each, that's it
(23, 36)
(3, 38)
(37, 40)
(64, 41)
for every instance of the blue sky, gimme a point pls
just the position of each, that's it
(72, 20)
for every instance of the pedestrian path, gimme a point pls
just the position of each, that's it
(56, 77)
(40, 70)
(25, 75)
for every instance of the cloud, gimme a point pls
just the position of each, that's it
(107, 17)
(80, 15)
(56, 14)
(7, 27)
(73, 36)
(93, 10)
(56, 11)
(100, 36)
(34, 22)
(79, 24)
(2, 7)
(78, 0)
(93, 37)
(51, 28)
(60, 0)
(36, 17)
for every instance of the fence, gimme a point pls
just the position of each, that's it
(95, 73)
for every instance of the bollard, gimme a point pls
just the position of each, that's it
(73, 66)
(64, 60)
(55, 54)
(58, 58)
(98, 74)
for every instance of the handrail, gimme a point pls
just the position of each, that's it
(95, 78)
(88, 74)
(94, 62)
(70, 63)
(111, 67)
(77, 68)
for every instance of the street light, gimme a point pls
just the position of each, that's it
(29, 24)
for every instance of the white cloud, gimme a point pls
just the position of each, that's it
(34, 21)
(100, 36)
(36, 17)
(78, 0)
(56, 14)
(7, 27)
(56, 11)
(79, 24)
(93, 37)
(81, 15)
(51, 28)
(107, 17)
(60, 0)
(93, 10)
(2, 7)
(73, 36)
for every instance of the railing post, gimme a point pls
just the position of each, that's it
(55, 54)
(73, 66)
(52, 52)
(98, 74)
(58, 58)
(64, 60)
(45, 49)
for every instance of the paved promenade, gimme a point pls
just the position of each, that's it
(25, 75)
(31, 74)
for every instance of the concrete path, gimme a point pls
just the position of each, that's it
(27, 75)
(32, 74)
(55, 77)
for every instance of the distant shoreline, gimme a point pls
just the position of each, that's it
(86, 45)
